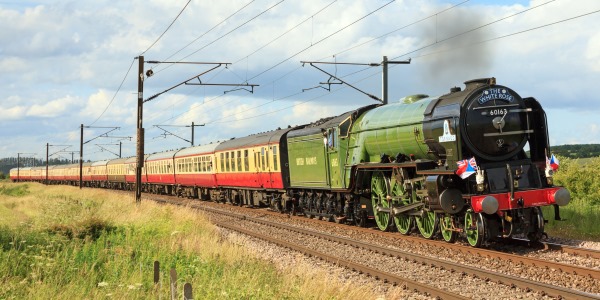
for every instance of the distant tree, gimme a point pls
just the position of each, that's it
(577, 151)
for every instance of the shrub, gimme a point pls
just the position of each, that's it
(14, 190)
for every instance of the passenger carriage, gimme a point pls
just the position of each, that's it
(87, 173)
(116, 169)
(99, 174)
(195, 171)
(256, 163)
(160, 172)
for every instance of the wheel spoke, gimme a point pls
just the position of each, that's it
(379, 199)
(427, 224)
(404, 222)
(447, 229)
(474, 228)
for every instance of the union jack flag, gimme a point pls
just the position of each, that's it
(466, 167)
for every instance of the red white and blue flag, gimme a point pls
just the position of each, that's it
(552, 162)
(466, 167)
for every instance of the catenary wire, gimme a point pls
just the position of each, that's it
(321, 40)
(169, 27)
(379, 72)
(203, 34)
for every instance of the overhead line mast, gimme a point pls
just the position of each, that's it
(140, 109)
(384, 63)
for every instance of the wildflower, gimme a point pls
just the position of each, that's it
(102, 284)
(174, 232)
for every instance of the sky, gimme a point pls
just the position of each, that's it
(66, 63)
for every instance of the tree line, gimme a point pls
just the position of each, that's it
(8, 163)
(577, 151)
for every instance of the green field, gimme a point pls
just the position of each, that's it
(59, 242)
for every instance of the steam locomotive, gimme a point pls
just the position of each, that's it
(450, 165)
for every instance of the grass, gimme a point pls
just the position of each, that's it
(582, 178)
(579, 221)
(60, 242)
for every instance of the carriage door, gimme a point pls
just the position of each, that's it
(333, 163)
(265, 160)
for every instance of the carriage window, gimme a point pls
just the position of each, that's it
(257, 161)
(239, 161)
(222, 163)
(246, 161)
(262, 158)
(227, 162)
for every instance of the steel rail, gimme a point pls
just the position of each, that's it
(525, 284)
(377, 274)
(590, 253)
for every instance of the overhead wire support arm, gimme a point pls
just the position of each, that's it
(102, 135)
(119, 137)
(341, 81)
(384, 64)
(170, 133)
(61, 150)
(186, 81)
(105, 149)
(242, 85)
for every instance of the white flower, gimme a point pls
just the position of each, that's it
(102, 284)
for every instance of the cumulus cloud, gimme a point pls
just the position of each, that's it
(53, 108)
(592, 53)
(62, 63)
(12, 113)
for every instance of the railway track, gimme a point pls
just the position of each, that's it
(591, 253)
(487, 275)
(378, 274)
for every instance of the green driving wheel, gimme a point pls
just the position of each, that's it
(474, 228)
(447, 228)
(379, 192)
(427, 224)
(404, 222)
